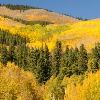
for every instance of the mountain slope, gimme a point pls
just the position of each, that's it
(73, 32)
(38, 14)
(84, 32)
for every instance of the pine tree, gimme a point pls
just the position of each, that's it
(71, 60)
(48, 63)
(33, 59)
(24, 54)
(57, 57)
(75, 65)
(21, 53)
(18, 53)
(64, 64)
(4, 55)
(11, 53)
(65, 57)
(40, 67)
(95, 58)
(44, 65)
(82, 60)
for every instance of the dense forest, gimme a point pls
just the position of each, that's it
(50, 68)
(43, 63)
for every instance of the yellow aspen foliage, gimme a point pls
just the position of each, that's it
(15, 83)
(83, 32)
(89, 89)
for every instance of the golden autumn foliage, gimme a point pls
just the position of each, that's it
(17, 84)
(84, 32)
(88, 89)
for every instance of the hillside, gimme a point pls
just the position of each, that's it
(48, 56)
(84, 32)
(38, 15)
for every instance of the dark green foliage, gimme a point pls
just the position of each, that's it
(9, 39)
(65, 57)
(57, 57)
(32, 59)
(75, 65)
(4, 54)
(95, 58)
(11, 53)
(19, 7)
(44, 65)
(82, 60)
(80, 18)
(70, 62)
(21, 53)
(48, 63)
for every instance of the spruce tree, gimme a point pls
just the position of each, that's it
(71, 60)
(24, 56)
(64, 63)
(65, 57)
(40, 67)
(21, 53)
(4, 55)
(44, 65)
(48, 63)
(95, 58)
(11, 53)
(57, 57)
(33, 59)
(75, 65)
(82, 60)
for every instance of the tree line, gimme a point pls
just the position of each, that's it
(22, 8)
(18, 7)
(43, 63)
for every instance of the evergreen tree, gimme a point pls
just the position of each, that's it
(33, 59)
(57, 58)
(82, 60)
(40, 67)
(95, 58)
(48, 63)
(11, 53)
(65, 57)
(21, 53)
(24, 55)
(75, 65)
(71, 60)
(44, 65)
(4, 55)
(64, 63)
